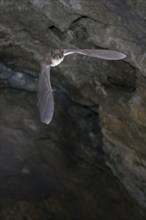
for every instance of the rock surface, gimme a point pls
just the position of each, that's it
(27, 30)
(56, 172)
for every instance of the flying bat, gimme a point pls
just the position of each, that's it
(54, 58)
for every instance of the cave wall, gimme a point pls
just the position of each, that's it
(29, 28)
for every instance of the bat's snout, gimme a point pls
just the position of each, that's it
(56, 62)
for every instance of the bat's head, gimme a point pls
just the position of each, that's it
(57, 56)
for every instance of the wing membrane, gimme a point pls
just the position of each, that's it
(45, 96)
(101, 54)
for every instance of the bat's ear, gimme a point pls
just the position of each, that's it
(62, 52)
(51, 51)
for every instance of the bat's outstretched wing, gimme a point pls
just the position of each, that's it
(45, 95)
(101, 54)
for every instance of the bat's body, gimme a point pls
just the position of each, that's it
(54, 58)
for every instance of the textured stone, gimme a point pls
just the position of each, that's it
(30, 27)
(56, 171)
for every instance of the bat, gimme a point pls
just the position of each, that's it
(54, 58)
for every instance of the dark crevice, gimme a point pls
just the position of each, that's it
(78, 19)
(57, 32)
(61, 34)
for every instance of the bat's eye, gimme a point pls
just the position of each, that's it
(57, 56)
